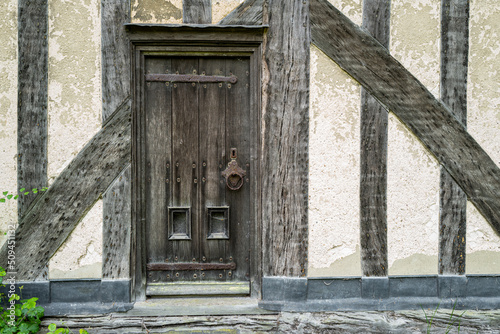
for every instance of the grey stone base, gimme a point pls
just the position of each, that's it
(380, 293)
(82, 296)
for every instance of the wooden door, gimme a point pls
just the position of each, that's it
(197, 122)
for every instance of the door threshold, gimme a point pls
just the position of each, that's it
(156, 307)
(198, 289)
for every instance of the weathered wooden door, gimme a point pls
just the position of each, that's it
(197, 144)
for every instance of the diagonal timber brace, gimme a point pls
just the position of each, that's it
(54, 214)
(368, 62)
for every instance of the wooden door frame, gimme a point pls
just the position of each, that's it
(192, 40)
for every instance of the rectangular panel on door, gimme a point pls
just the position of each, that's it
(197, 125)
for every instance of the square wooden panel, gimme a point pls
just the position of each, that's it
(179, 223)
(218, 222)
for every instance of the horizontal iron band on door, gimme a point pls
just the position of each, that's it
(190, 78)
(191, 266)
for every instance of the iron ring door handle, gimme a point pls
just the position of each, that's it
(234, 174)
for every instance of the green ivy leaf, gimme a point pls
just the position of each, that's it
(16, 197)
(34, 328)
(2, 200)
(35, 191)
(5, 193)
(52, 327)
(27, 192)
(22, 189)
(10, 196)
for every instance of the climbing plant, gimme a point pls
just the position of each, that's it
(21, 316)
(22, 192)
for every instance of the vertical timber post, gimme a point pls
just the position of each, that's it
(115, 90)
(197, 11)
(32, 99)
(373, 160)
(285, 139)
(452, 199)
(32, 119)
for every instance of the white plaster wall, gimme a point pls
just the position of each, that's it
(156, 11)
(413, 174)
(483, 123)
(8, 113)
(334, 152)
(80, 255)
(74, 111)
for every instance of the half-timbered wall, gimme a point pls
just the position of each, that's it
(412, 172)
(74, 111)
(74, 117)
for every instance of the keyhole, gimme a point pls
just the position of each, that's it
(233, 153)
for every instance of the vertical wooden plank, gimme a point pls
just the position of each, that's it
(285, 139)
(238, 129)
(115, 59)
(158, 106)
(32, 99)
(452, 199)
(212, 106)
(197, 11)
(373, 160)
(185, 158)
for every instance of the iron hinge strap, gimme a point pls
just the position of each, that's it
(190, 78)
(191, 266)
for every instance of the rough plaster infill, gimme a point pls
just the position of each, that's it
(8, 114)
(333, 170)
(413, 173)
(483, 123)
(81, 254)
(156, 11)
(74, 110)
(221, 8)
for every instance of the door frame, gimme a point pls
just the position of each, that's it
(192, 40)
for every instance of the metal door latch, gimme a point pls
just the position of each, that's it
(234, 174)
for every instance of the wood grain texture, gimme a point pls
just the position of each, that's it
(360, 55)
(55, 213)
(247, 13)
(116, 228)
(282, 322)
(285, 140)
(32, 99)
(454, 66)
(373, 160)
(115, 57)
(197, 11)
(115, 52)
